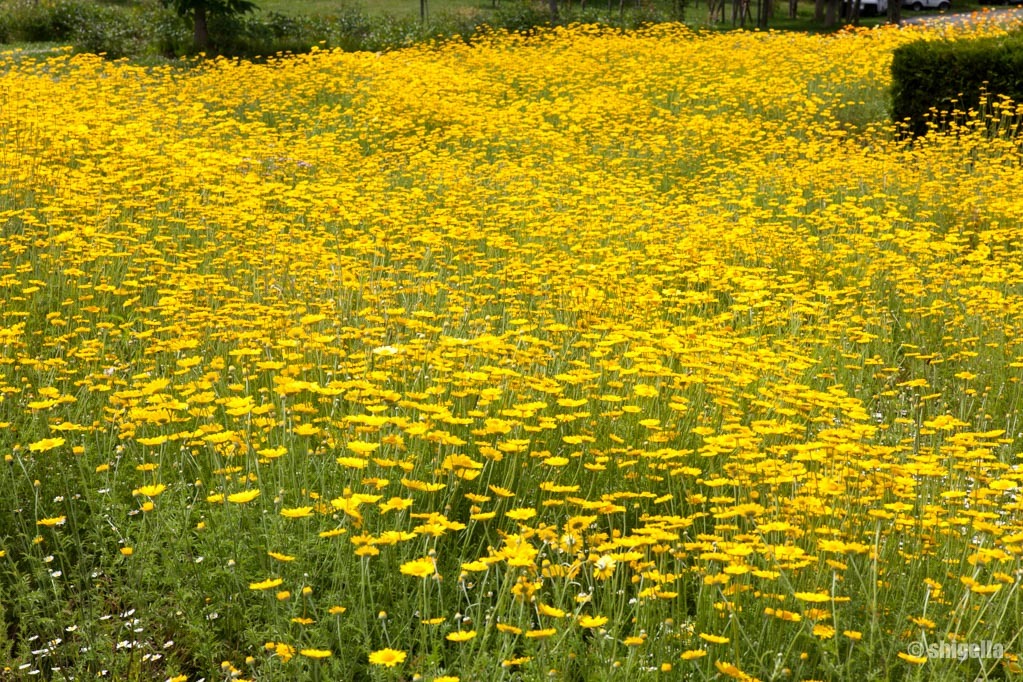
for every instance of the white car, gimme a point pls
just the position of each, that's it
(917, 5)
(873, 8)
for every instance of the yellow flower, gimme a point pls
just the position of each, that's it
(297, 512)
(316, 653)
(604, 567)
(333, 533)
(783, 614)
(395, 504)
(52, 521)
(823, 631)
(243, 497)
(387, 657)
(150, 490)
(267, 584)
(419, 568)
(540, 634)
(353, 462)
(592, 621)
(517, 661)
(461, 636)
(909, 658)
(273, 453)
(731, 670)
(520, 514)
(42, 404)
(280, 557)
(550, 611)
(306, 430)
(46, 444)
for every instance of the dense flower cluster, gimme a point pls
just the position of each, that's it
(621, 353)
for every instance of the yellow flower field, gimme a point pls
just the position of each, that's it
(584, 355)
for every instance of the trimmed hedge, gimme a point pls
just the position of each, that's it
(936, 82)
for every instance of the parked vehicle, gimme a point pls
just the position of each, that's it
(872, 8)
(917, 5)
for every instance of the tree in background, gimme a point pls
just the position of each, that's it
(894, 11)
(199, 11)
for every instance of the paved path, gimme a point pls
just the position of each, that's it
(994, 14)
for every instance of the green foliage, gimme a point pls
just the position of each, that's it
(151, 28)
(211, 7)
(935, 83)
(111, 30)
(32, 21)
(521, 16)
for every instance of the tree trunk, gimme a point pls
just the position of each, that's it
(831, 17)
(554, 10)
(894, 11)
(202, 30)
(715, 10)
(818, 11)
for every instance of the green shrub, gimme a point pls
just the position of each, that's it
(938, 82)
(169, 35)
(111, 31)
(116, 30)
(46, 20)
(521, 16)
(147, 29)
